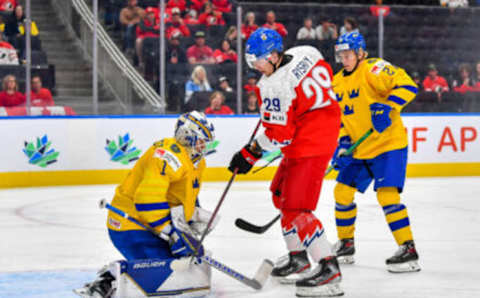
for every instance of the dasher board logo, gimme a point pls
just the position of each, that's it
(39, 152)
(122, 151)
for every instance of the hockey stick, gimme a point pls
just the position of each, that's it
(247, 226)
(257, 282)
(220, 202)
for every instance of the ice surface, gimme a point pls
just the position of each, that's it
(54, 239)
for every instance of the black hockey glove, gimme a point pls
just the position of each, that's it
(245, 159)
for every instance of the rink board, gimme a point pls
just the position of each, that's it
(60, 150)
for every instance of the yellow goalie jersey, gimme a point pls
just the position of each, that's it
(374, 81)
(162, 178)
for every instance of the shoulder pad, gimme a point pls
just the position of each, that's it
(377, 65)
(172, 160)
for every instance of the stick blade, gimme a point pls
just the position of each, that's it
(263, 273)
(246, 226)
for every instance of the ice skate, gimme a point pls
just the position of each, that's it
(345, 249)
(405, 259)
(324, 281)
(292, 268)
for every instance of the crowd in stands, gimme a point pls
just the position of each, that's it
(202, 34)
(12, 52)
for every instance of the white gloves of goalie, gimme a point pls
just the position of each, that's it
(197, 225)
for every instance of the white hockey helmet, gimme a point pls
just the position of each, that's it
(195, 133)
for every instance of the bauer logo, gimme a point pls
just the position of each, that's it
(39, 153)
(123, 151)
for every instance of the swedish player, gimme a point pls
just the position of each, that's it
(371, 93)
(161, 191)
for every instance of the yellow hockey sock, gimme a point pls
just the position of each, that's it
(395, 213)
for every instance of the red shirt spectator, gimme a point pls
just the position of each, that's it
(216, 105)
(271, 24)
(176, 27)
(191, 18)
(149, 26)
(225, 53)
(433, 82)
(8, 5)
(222, 110)
(197, 4)
(40, 97)
(200, 53)
(10, 96)
(181, 4)
(248, 29)
(211, 17)
(222, 6)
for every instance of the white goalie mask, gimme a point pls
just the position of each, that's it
(195, 133)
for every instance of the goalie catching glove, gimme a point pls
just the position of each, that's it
(244, 159)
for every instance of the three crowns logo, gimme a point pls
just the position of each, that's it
(38, 152)
(123, 152)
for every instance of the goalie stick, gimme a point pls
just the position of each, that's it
(257, 282)
(249, 227)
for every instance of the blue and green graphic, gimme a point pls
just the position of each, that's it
(123, 152)
(39, 153)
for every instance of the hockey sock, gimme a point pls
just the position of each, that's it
(303, 231)
(395, 213)
(345, 210)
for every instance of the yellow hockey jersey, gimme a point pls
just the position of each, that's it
(374, 81)
(162, 178)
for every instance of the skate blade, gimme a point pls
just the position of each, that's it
(328, 290)
(411, 266)
(346, 260)
(292, 278)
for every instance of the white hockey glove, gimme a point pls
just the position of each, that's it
(197, 225)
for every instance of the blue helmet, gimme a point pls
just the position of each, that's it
(350, 41)
(261, 44)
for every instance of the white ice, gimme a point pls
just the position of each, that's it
(53, 239)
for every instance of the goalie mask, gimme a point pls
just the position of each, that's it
(195, 133)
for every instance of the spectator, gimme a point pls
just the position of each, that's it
(349, 25)
(225, 54)
(217, 106)
(198, 82)
(8, 54)
(197, 5)
(15, 30)
(224, 85)
(307, 31)
(271, 24)
(252, 104)
(176, 26)
(8, 5)
(130, 16)
(231, 36)
(210, 17)
(417, 79)
(112, 9)
(40, 97)
(181, 4)
(251, 85)
(191, 17)
(10, 96)
(175, 53)
(200, 53)
(476, 77)
(222, 6)
(148, 27)
(435, 83)
(465, 83)
(326, 30)
(249, 26)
